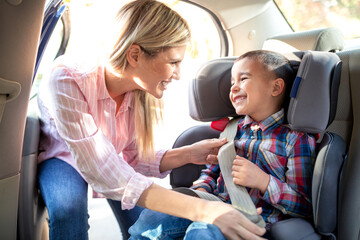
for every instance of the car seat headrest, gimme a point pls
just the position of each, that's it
(314, 93)
(313, 97)
(328, 39)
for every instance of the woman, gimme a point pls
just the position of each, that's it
(97, 128)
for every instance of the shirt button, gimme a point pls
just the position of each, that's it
(248, 155)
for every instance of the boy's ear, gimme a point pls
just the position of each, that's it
(133, 55)
(278, 87)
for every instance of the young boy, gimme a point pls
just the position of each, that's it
(273, 162)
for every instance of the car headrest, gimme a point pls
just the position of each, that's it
(328, 39)
(313, 96)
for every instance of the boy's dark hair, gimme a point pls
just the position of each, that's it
(279, 65)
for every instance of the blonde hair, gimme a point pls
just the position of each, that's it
(154, 27)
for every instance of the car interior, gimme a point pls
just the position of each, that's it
(334, 166)
(330, 107)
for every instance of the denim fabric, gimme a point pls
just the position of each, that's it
(65, 194)
(155, 225)
(125, 218)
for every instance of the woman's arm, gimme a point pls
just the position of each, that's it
(72, 106)
(231, 222)
(202, 152)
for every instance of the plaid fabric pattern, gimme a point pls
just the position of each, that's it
(284, 154)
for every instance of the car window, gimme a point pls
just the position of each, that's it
(54, 44)
(311, 14)
(205, 46)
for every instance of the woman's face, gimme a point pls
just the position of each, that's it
(155, 73)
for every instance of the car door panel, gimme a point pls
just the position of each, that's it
(20, 25)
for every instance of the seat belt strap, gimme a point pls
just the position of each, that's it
(239, 196)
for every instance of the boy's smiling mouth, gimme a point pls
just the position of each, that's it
(239, 98)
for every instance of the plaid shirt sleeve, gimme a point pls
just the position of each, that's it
(208, 178)
(292, 196)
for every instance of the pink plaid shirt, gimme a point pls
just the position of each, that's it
(80, 127)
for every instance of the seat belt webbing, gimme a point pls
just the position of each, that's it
(239, 196)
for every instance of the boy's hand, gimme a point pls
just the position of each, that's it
(248, 174)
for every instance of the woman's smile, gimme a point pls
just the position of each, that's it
(164, 84)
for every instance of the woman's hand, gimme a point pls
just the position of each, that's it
(233, 224)
(248, 174)
(205, 151)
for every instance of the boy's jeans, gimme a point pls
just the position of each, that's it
(155, 225)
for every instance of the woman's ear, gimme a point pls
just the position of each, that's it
(278, 87)
(133, 55)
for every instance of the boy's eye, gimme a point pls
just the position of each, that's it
(243, 78)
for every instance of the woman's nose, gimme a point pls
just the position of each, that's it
(176, 74)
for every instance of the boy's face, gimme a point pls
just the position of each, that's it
(252, 90)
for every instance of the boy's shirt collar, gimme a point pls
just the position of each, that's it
(276, 119)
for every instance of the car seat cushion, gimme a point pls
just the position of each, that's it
(327, 172)
(294, 229)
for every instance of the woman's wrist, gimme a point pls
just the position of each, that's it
(174, 158)
(187, 154)
(200, 212)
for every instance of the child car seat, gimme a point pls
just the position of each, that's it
(311, 109)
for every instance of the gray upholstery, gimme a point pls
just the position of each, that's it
(328, 168)
(349, 88)
(323, 39)
(347, 125)
(327, 171)
(186, 175)
(32, 212)
(209, 91)
(294, 229)
(312, 93)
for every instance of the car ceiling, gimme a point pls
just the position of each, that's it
(248, 23)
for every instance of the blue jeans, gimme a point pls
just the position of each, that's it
(65, 195)
(156, 225)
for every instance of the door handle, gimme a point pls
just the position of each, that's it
(9, 90)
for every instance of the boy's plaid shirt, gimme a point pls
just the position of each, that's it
(284, 154)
